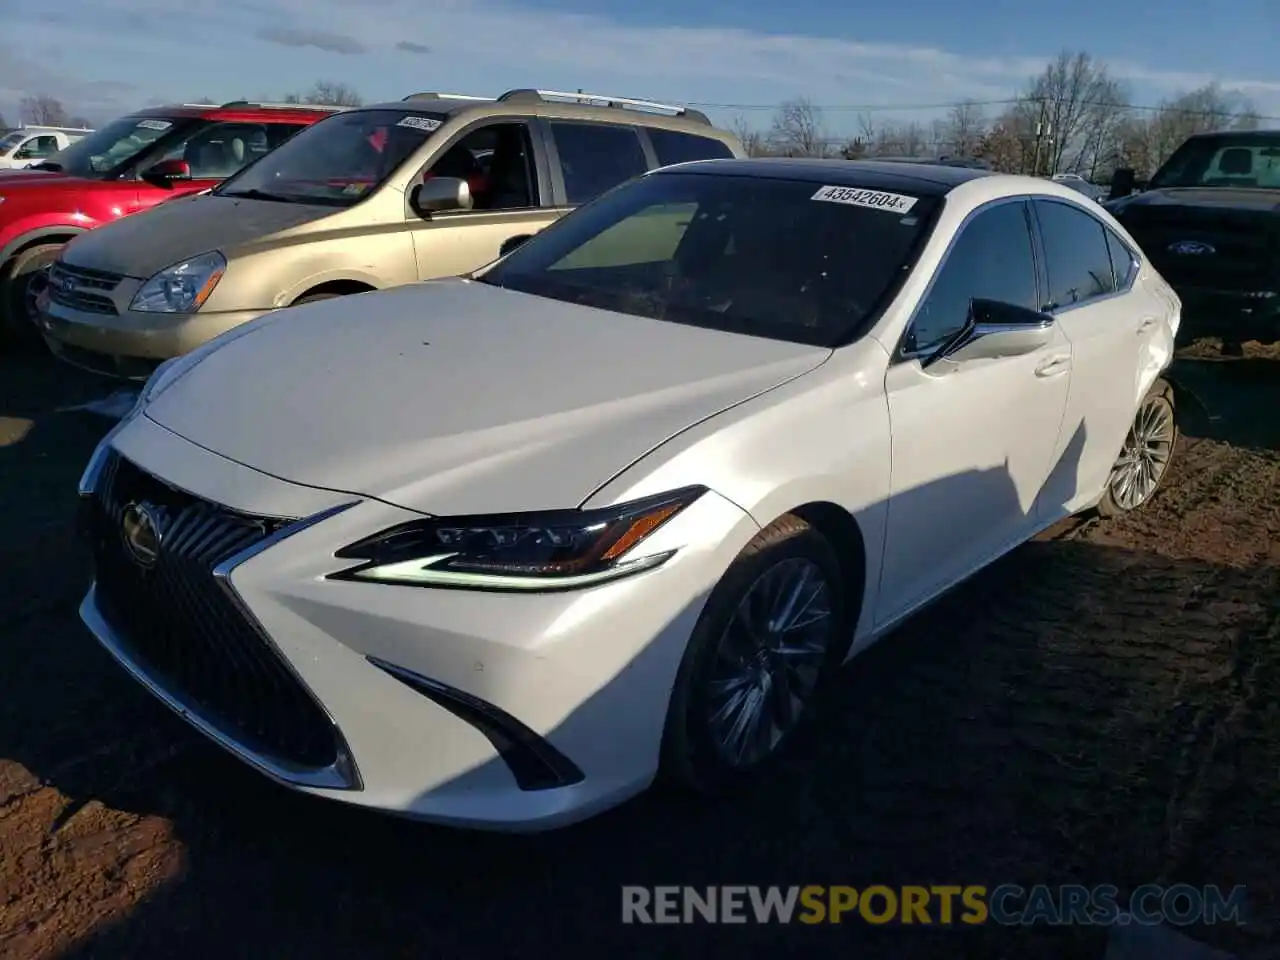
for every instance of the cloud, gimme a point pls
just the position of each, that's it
(320, 39)
(410, 47)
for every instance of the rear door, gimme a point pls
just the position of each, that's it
(588, 159)
(1108, 331)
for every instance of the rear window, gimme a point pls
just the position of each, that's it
(784, 259)
(672, 146)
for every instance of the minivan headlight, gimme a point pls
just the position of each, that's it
(182, 287)
(520, 552)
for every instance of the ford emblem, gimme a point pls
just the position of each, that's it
(1191, 248)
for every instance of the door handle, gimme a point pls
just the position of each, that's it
(1146, 324)
(1052, 366)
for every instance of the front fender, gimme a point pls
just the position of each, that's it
(18, 234)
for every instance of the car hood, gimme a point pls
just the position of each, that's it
(455, 397)
(1206, 198)
(144, 244)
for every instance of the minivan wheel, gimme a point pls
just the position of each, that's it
(772, 635)
(19, 287)
(1145, 457)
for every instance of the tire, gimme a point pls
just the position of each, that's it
(1158, 403)
(694, 755)
(17, 329)
(315, 298)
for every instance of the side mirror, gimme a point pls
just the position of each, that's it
(511, 243)
(439, 194)
(994, 330)
(163, 174)
(1122, 183)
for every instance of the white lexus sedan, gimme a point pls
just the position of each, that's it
(496, 551)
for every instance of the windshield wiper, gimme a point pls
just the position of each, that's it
(256, 194)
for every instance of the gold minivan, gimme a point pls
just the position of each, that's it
(432, 186)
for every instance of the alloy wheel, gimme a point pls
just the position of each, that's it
(1145, 455)
(769, 660)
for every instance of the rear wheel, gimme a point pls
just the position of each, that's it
(773, 633)
(1148, 450)
(21, 281)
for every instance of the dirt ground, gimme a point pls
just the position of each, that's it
(1101, 707)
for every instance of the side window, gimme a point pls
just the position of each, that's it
(990, 260)
(596, 157)
(672, 146)
(497, 163)
(1121, 260)
(38, 148)
(1076, 254)
(218, 150)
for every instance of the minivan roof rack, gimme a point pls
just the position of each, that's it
(275, 106)
(443, 96)
(622, 103)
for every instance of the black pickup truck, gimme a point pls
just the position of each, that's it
(1209, 221)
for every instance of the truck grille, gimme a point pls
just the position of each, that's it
(82, 289)
(179, 624)
(1245, 250)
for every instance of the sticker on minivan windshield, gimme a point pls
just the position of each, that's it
(420, 123)
(874, 199)
(154, 124)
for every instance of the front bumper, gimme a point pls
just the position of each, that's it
(476, 709)
(1233, 315)
(128, 344)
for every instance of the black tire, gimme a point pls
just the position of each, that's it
(1160, 395)
(315, 298)
(690, 755)
(17, 326)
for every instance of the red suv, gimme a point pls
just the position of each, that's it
(127, 166)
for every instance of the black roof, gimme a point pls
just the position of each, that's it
(1241, 134)
(926, 180)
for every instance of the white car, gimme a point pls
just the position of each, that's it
(494, 551)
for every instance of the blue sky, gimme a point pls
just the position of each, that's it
(104, 57)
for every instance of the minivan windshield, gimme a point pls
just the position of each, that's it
(11, 140)
(337, 161)
(785, 259)
(1225, 160)
(118, 143)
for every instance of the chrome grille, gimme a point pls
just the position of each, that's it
(82, 289)
(186, 629)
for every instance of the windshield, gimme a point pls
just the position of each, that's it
(118, 143)
(337, 161)
(784, 259)
(1223, 161)
(11, 140)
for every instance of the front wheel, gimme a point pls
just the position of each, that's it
(773, 633)
(1148, 450)
(20, 284)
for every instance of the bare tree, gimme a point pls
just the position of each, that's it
(963, 129)
(1061, 104)
(4, 124)
(798, 130)
(43, 111)
(328, 93)
(752, 139)
(1004, 144)
(900, 140)
(1145, 143)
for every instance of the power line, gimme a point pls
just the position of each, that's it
(953, 104)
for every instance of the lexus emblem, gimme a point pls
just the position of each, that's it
(141, 527)
(1191, 248)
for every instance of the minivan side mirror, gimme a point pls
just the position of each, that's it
(511, 243)
(163, 174)
(440, 194)
(995, 329)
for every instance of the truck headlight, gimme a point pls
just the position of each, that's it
(182, 287)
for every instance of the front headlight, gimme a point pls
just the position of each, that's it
(557, 550)
(182, 287)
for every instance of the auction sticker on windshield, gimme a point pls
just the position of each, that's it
(154, 124)
(874, 199)
(420, 123)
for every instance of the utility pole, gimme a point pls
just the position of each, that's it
(1043, 132)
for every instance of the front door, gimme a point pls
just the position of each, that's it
(972, 445)
(498, 162)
